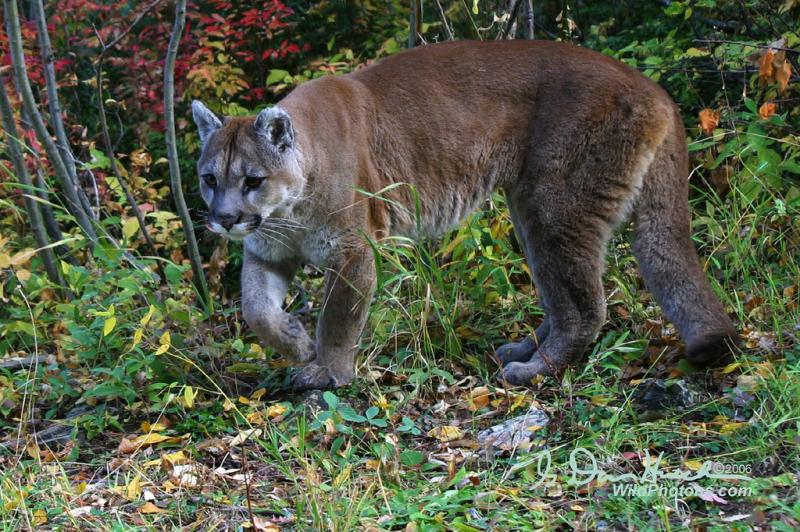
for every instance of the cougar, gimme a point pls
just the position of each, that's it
(578, 142)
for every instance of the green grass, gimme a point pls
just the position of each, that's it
(368, 461)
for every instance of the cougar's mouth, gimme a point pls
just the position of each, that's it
(237, 231)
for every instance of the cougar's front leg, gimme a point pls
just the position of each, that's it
(349, 286)
(264, 287)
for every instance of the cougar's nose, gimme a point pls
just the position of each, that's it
(227, 220)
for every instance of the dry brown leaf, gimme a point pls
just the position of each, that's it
(765, 68)
(478, 398)
(264, 525)
(767, 110)
(709, 120)
(782, 75)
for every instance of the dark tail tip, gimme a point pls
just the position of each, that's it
(712, 348)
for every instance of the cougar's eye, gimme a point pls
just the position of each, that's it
(253, 181)
(210, 180)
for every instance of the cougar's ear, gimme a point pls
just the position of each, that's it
(207, 122)
(274, 123)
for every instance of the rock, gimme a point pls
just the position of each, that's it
(517, 433)
(654, 397)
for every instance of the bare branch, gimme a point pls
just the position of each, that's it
(527, 16)
(172, 154)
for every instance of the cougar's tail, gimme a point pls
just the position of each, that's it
(668, 259)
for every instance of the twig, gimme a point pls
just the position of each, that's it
(753, 45)
(31, 206)
(172, 154)
(415, 23)
(446, 25)
(512, 17)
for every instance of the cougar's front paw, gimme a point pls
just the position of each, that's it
(316, 377)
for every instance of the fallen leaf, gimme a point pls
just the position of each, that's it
(150, 508)
(134, 488)
(127, 446)
(264, 525)
(446, 433)
(478, 398)
(40, 517)
(244, 436)
(276, 410)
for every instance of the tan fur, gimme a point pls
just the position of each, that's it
(576, 139)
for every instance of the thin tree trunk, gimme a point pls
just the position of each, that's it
(415, 23)
(109, 149)
(56, 119)
(53, 229)
(74, 204)
(31, 205)
(172, 154)
(527, 17)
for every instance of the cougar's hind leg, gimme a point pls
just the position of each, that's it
(567, 267)
(669, 262)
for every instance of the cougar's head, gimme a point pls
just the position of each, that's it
(248, 169)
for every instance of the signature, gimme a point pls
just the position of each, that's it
(589, 470)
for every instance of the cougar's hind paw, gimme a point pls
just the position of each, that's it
(316, 377)
(521, 373)
(516, 351)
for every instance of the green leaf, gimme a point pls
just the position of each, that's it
(277, 76)
(130, 227)
(348, 414)
(411, 458)
(331, 399)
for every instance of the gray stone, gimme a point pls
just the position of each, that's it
(518, 433)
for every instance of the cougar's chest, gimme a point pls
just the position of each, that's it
(313, 247)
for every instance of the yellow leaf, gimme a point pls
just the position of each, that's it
(134, 488)
(227, 405)
(23, 275)
(600, 400)
(189, 395)
(109, 325)
(146, 318)
(5, 260)
(127, 446)
(342, 477)
(730, 368)
(137, 337)
(130, 227)
(733, 426)
(150, 508)
(275, 410)
(258, 394)
(39, 517)
(165, 343)
(255, 418)
(172, 459)
(244, 400)
(446, 433)
(693, 465)
(158, 426)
